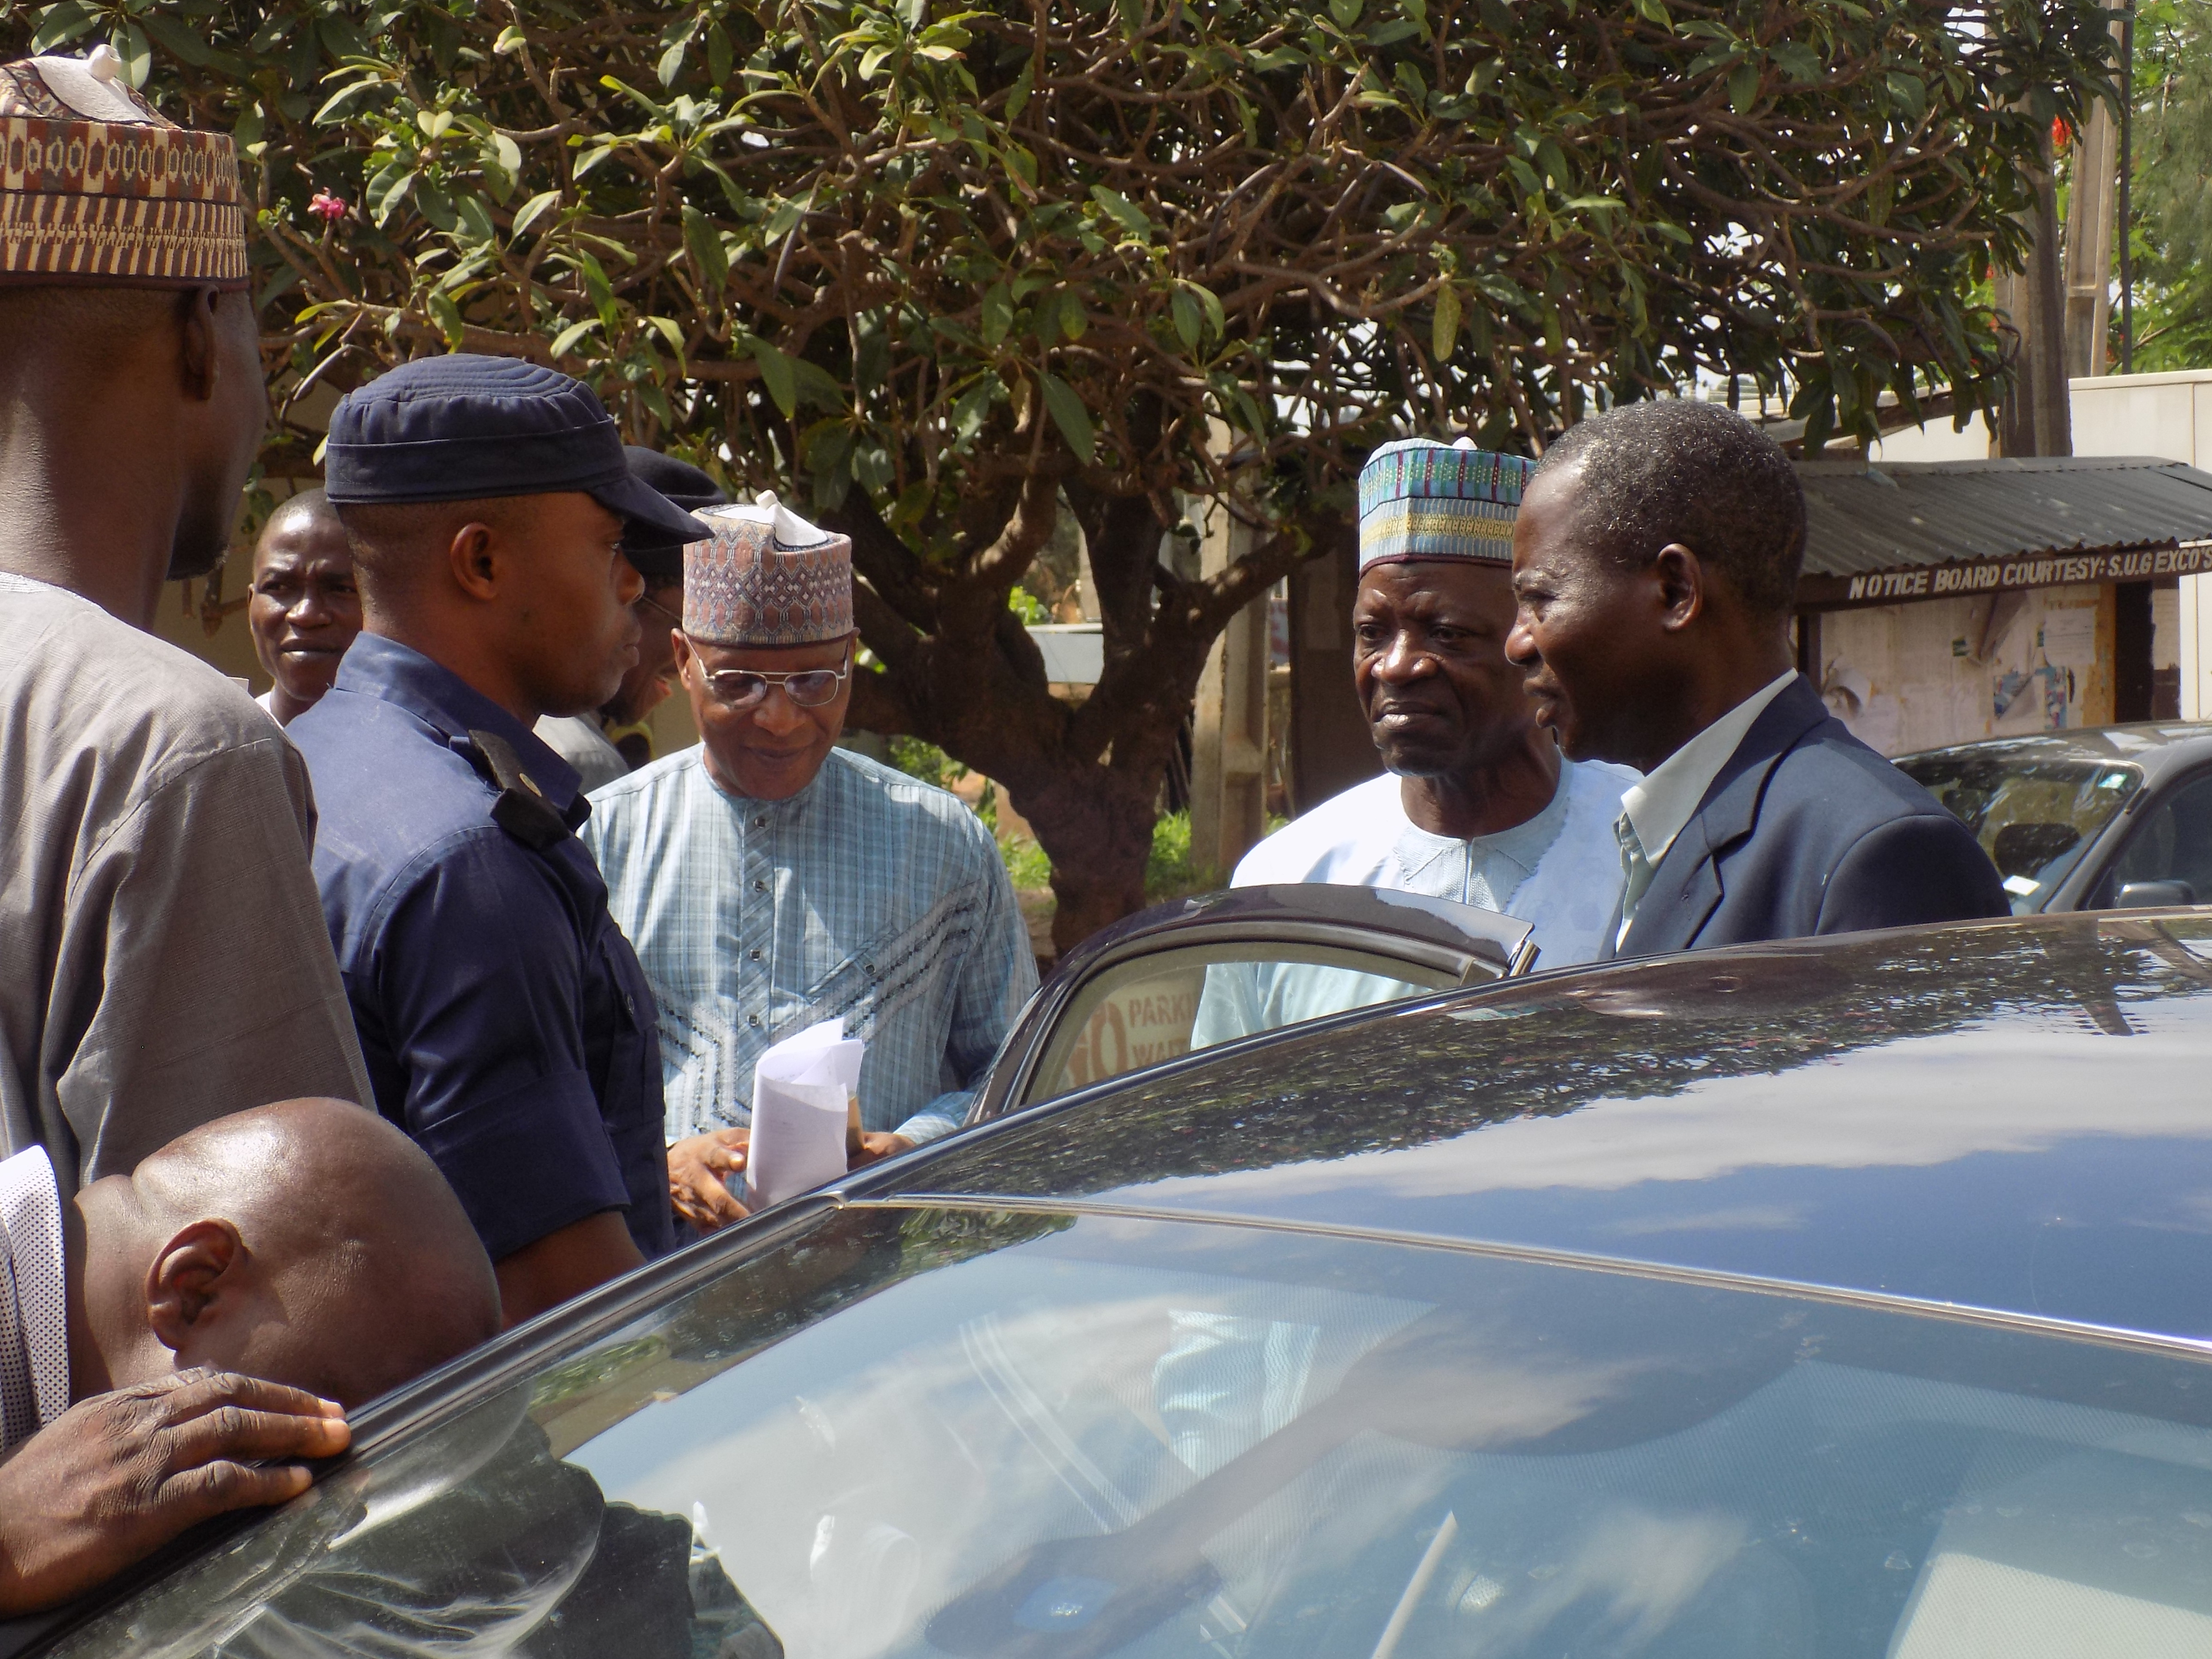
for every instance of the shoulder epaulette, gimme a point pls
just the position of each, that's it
(521, 809)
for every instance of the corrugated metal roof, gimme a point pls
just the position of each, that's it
(1903, 514)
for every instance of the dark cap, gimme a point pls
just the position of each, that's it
(465, 427)
(658, 556)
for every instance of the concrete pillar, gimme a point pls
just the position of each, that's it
(2196, 647)
(1229, 735)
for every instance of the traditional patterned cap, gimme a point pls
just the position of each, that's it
(95, 188)
(767, 577)
(1422, 499)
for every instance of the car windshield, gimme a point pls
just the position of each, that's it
(2034, 814)
(923, 1431)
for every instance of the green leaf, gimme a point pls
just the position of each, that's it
(136, 52)
(710, 261)
(475, 221)
(534, 209)
(1185, 312)
(565, 340)
(1654, 12)
(1069, 415)
(776, 374)
(61, 24)
(448, 316)
(671, 61)
(1743, 89)
(387, 190)
(998, 314)
(1909, 93)
(670, 331)
(1124, 212)
(1018, 96)
(1347, 12)
(1216, 319)
(436, 205)
(719, 55)
(1444, 332)
(511, 39)
(178, 41)
(1801, 63)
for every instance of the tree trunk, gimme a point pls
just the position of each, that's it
(962, 672)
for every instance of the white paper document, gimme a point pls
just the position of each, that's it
(801, 1089)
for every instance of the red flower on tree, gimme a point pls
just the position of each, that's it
(328, 207)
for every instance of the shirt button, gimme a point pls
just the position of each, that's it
(760, 823)
(753, 1020)
(760, 887)
(756, 956)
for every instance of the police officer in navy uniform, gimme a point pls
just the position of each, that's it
(506, 1023)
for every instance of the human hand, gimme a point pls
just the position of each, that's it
(875, 1144)
(117, 1476)
(698, 1168)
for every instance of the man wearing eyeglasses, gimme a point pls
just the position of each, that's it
(771, 880)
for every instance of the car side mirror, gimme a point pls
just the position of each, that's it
(2154, 895)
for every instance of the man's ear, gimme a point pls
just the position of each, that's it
(473, 556)
(197, 354)
(189, 1273)
(1680, 577)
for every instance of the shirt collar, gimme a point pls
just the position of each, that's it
(1522, 845)
(1667, 797)
(375, 666)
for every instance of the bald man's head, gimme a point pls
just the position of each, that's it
(309, 1242)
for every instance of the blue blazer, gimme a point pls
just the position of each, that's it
(1807, 830)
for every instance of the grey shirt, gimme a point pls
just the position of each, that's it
(579, 740)
(163, 956)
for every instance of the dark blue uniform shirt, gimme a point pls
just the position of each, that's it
(506, 1023)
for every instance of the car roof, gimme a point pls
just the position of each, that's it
(2157, 746)
(2009, 1115)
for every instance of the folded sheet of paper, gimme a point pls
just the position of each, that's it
(802, 1090)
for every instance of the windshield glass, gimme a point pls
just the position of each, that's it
(923, 1431)
(2034, 815)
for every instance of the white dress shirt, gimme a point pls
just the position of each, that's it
(33, 1322)
(1657, 809)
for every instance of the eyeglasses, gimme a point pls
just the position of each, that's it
(741, 689)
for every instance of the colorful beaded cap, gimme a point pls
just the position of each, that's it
(96, 187)
(1420, 500)
(767, 578)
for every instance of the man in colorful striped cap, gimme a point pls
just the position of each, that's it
(771, 880)
(1476, 803)
(166, 960)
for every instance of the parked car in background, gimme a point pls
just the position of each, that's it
(1842, 1296)
(2111, 817)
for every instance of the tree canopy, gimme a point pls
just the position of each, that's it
(941, 269)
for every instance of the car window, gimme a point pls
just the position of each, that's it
(1167, 1002)
(919, 1431)
(2034, 816)
(2173, 843)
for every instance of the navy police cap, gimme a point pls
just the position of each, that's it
(466, 428)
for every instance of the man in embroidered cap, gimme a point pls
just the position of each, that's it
(506, 1024)
(772, 880)
(164, 959)
(1476, 803)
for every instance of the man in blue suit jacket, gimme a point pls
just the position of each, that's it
(1655, 562)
